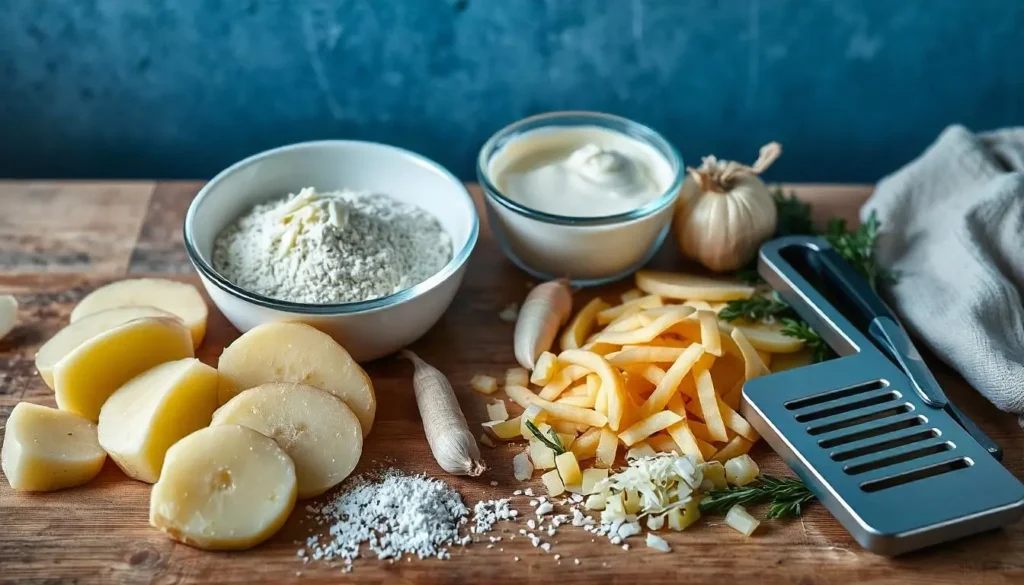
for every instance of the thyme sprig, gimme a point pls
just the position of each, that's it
(785, 496)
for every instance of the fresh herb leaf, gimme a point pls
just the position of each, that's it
(799, 329)
(794, 216)
(748, 275)
(554, 443)
(785, 495)
(857, 247)
(756, 308)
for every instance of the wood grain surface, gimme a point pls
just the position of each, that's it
(58, 241)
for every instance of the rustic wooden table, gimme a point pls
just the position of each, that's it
(60, 240)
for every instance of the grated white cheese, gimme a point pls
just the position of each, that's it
(657, 543)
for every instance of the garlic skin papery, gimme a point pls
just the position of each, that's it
(725, 211)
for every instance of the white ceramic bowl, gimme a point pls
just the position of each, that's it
(367, 329)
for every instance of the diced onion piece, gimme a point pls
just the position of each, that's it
(522, 467)
(658, 421)
(486, 440)
(753, 366)
(739, 471)
(553, 483)
(715, 472)
(734, 448)
(585, 446)
(591, 477)
(640, 451)
(505, 430)
(517, 377)
(740, 520)
(595, 502)
(484, 384)
(606, 316)
(496, 411)
(545, 369)
(656, 542)
(579, 328)
(607, 447)
(710, 335)
(568, 468)
(562, 380)
(542, 455)
(670, 381)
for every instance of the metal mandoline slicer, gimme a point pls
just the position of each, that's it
(871, 433)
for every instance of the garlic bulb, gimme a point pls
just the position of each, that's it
(725, 211)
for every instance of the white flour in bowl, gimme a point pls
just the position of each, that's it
(337, 247)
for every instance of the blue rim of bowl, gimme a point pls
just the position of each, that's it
(648, 134)
(401, 296)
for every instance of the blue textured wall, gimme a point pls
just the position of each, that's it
(181, 88)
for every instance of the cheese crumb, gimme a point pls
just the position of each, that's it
(657, 543)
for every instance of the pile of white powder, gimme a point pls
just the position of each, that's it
(336, 247)
(397, 514)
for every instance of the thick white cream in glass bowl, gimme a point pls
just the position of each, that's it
(582, 195)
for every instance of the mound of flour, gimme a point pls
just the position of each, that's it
(336, 247)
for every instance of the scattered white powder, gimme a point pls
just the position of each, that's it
(336, 247)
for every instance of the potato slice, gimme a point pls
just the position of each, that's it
(46, 449)
(69, 338)
(8, 314)
(152, 411)
(691, 287)
(177, 298)
(223, 488)
(768, 337)
(87, 376)
(319, 432)
(295, 352)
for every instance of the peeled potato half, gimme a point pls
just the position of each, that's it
(295, 352)
(69, 338)
(178, 298)
(86, 377)
(319, 432)
(152, 411)
(46, 449)
(223, 488)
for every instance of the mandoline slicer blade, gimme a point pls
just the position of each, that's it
(898, 473)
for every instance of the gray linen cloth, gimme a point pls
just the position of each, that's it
(953, 226)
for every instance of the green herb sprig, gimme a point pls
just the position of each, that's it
(793, 216)
(799, 329)
(857, 247)
(553, 442)
(756, 308)
(785, 495)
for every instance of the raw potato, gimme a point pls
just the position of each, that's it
(690, 286)
(295, 352)
(319, 432)
(69, 338)
(177, 298)
(154, 410)
(223, 488)
(8, 314)
(86, 377)
(46, 449)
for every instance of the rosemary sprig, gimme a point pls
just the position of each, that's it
(554, 443)
(858, 248)
(756, 308)
(798, 328)
(786, 497)
(794, 216)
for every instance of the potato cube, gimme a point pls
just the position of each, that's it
(739, 471)
(505, 430)
(738, 518)
(681, 518)
(496, 411)
(592, 477)
(714, 471)
(553, 483)
(595, 502)
(542, 455)
(517, 377)
(484, 384)
(568, 468)
(46, 449)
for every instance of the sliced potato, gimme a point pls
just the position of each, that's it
(46, 449)
(768, 337)
(84, 378)
(84, 329)
(295, 352)
(691, 287)
(223, 488)
(319, 432)
(177, 298)
(154, 410)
